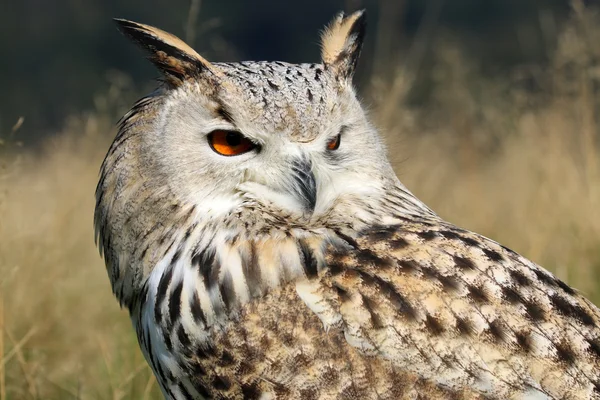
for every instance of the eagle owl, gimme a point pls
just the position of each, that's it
(256, 232)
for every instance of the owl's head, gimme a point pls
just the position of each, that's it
(288, 137)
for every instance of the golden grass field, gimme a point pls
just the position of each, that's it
(522, 169)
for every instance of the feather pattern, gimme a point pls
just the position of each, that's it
(295, 271)
(423, 308)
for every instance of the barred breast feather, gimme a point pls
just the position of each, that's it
(419, 308)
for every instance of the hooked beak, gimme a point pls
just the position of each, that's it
(303, 185)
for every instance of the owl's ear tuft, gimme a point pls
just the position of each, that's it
(341, 43)
(171, 55)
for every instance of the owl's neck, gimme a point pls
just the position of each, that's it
(211, 275)
(242, 257)
(245, 253)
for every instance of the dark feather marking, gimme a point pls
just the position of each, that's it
(366, 257)
(205, 351)
(524, 341)
(304, 185)
(143, 254)
(497, 331)
(251, 269)
(409, 265)
(464, 326)
(336, 268)
(565, 352)
(371, 307)
(342, 293)
(594, 346)
(544, 277)
(430, 273)
(176, 256)
(201, 388)
(511, 295)
(381, 233)
(519, 277)
(227, 291)
(565, 287)
(184, 339)
(534, 311)
(251, 391)
(427, 235)
(478, 294)
(434, 325)
(309, 262)
(175, 305)
(221, 383)
(450, 283)
(161, 293)
(167, 339)
(309, 94)
(318, 73)
(509, 251)
(159, 370)
(168, 390)
(470, 241)
(450, 235)
(353, 243)
(246, 367)
(217, 302)
(463, 263)
(281, 391)
(196, 310)
(198, 371)
(207, 266)
(224, 112)
(226, 359)
(355, 38)
(493, 255)
(389, 291)
(141, 297)
(398, 243)
(564, 307)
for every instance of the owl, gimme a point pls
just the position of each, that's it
(253, 227)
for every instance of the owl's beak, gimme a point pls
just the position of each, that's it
(304, 186)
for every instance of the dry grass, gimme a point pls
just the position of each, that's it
(488, 156)
(64, 335)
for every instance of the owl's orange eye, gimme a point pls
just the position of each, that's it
(229, 143)
(334, 143)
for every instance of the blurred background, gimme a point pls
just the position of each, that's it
(489, 109)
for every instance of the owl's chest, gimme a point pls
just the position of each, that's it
(274, 347)
(271, 347)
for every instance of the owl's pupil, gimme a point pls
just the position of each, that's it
(233, 139)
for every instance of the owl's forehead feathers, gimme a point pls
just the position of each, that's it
(291, 99)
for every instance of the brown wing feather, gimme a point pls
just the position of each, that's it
(459, 309)
(427, 310)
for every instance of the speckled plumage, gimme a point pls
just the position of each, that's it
(295, 271)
